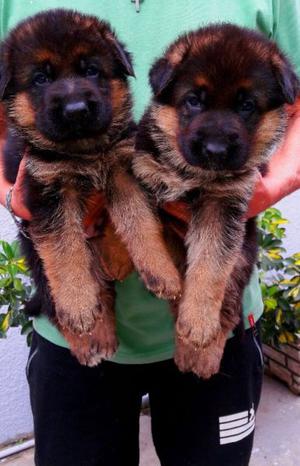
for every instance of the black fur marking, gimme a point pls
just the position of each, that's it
(12, 156)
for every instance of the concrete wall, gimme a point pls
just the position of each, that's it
(290, 207)
(15, 417)
(14, 400)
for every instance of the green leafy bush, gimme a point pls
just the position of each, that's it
(15, 289)
(280, 281)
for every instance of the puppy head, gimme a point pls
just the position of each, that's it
(217, 93)
(64, 80)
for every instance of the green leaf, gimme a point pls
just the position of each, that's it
(7, 250)
(4, 321)
(18, 284)
(27, 328)
(270, 303)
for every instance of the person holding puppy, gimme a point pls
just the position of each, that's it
(86, 416)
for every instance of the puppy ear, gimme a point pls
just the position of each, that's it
(5, 74)
(161, 74)
(122, 56)
(164, 70)
(287, 79)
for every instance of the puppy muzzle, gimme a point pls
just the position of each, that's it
(74, 109)
(215, 142)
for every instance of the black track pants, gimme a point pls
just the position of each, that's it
(90, 416)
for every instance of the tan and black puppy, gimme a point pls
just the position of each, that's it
(216, 115)
(65, 90)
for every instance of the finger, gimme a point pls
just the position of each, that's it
(18, 206)
(17, 200)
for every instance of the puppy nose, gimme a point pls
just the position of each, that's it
(75, 110)
(216, 148)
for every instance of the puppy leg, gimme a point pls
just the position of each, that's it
(214, 240)
(67, 260)
(205, 361)
(141, 231)
(101, 342)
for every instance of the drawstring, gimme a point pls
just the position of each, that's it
(137, 5)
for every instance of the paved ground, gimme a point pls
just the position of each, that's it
(277, 432)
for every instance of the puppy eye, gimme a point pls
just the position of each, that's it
(41, 78)
(92, 71)
(193, 102)
(247, 106)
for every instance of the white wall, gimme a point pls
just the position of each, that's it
(290, 207)
(15, 413)
(14, 397)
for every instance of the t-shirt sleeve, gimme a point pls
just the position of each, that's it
(286, 29)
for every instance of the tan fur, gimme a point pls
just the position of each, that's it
(140, 230)
(91, 348)
(23, 111)
(73, 287)
(167, 119)
(206, 276)
(270, 128)
(202, 81)
(119, 94)
(46, 55)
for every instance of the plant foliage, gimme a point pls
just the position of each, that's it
(15, 289)
(280, 281)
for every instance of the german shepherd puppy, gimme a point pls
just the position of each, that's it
(216, 115)
(64, 87)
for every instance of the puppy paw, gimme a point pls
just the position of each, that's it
(196, 329)
(91, 348)
(165, 283)
(78, 322)
(204, 362)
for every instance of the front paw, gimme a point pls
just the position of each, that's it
(197, 329)
(77, 321)
(91, 348)
(164, 281)
(204, 362)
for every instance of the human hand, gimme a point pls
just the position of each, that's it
(17, 199)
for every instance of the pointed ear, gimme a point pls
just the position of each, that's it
(5, 74)
(287, 79)
(161, 74)
(120, 53)
(164, 70)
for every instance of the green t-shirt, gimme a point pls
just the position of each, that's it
(144, 323)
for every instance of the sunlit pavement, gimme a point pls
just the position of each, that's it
(277, 432)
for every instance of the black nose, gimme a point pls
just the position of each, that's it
(75, 111)
(215, 148)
